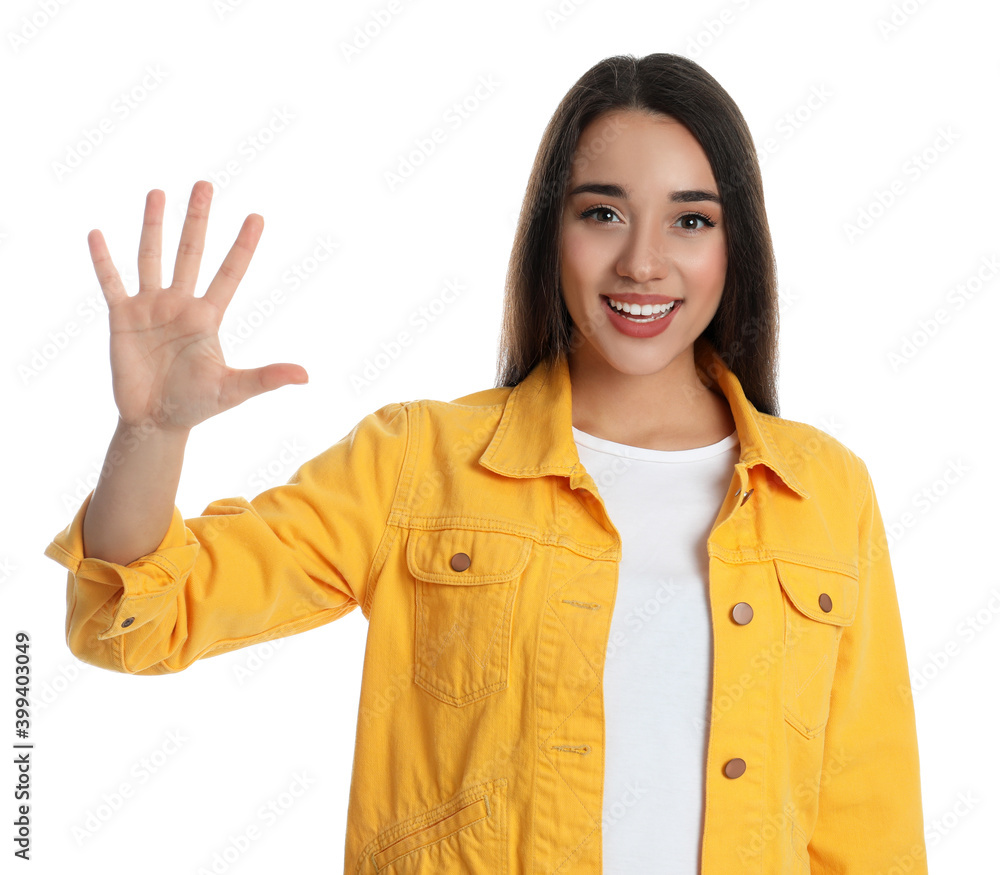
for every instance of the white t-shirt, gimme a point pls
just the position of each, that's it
(657, 675)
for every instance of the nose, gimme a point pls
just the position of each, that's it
(645, 255)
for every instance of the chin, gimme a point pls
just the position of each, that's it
(638, 362)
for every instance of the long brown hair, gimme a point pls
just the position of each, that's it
(537, 327)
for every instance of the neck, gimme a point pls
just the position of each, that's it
(670, 409)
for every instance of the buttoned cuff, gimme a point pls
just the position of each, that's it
(145, 583)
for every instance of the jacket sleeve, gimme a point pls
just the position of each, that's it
(295, 557)
(870, 812)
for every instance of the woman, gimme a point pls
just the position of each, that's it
(716, 681)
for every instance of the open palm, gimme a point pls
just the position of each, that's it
(167, 366)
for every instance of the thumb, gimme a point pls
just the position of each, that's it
(255, 381)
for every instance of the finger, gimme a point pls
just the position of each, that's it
(192, 242)
(235, 264)
(284, 374)
(107, 275)
(255, 381)
(150, 243)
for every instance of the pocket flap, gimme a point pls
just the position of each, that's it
(493, 556)
(804, 585)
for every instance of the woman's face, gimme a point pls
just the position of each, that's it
(658, 234)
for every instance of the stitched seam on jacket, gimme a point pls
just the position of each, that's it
(145, 596)
(765, 767)
(863, 491)
(503, 526)
(118, 648)
(597, 823)
(383, 546)
(161, 562)
(825, 563)
(407, 823)
(777, 461)
(72, 560)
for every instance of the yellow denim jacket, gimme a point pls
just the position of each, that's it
(483, 558)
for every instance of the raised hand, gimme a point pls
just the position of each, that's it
(167, 366)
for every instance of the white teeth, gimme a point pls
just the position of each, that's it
(642, 309)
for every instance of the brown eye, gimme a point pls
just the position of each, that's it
(599, 211)
(688, 218)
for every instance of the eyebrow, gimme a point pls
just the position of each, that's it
(611, 189)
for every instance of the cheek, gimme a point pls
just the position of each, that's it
(707, 268)
(578, 257)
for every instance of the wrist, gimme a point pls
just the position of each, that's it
(149, 429)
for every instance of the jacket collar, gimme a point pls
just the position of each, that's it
(535, 438)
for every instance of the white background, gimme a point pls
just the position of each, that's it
(848, 305)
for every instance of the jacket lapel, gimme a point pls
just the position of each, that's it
(534, 437)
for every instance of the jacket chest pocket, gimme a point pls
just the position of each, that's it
(466, 582)
(818, 605)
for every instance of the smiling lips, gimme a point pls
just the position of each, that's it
(645, 308)
(641, 318)
(642, 308)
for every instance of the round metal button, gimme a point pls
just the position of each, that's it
(460, 561)
(825, 602)
(128, 622)
(735, 768)
(742, 613)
